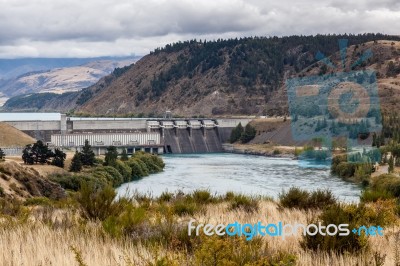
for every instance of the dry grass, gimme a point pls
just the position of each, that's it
(10, 136)
(65, 243)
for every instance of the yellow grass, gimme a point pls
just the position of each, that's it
(37, 243)
(10, 136)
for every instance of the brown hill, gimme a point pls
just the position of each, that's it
(211, 92)
(11, 137)
(226, 77)
(17, 181)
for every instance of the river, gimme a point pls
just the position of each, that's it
(248, 174)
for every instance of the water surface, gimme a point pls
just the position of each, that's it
(247, 174)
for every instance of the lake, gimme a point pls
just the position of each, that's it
(248, 174)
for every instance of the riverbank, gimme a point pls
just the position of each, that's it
(267, 150)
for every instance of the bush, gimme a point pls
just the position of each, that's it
(244, 202)
(98, 203)
(216, 250)
(202, 196)
(302, 199)
(381, 213)
(73, 181)
(185, 207)
(137, 170)
(337, 214)
(108, 173)
(387, 183)
(124, 170)
(373, 195)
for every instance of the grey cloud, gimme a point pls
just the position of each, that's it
(107, 27)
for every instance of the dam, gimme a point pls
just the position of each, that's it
(155, 135)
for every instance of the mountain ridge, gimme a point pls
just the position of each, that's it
(224, 77)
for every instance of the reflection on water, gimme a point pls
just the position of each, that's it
(239, 173)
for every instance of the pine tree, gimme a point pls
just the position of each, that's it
(59, 158)
(391, 164)
(374, 140)
(76, 163)
(2, 154)
(124, 155)
(248, 134)
(87, 155)
(111, 156)
(236, 133)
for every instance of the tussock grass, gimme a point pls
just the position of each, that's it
(149, 231)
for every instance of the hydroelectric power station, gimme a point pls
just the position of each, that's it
(155, 135)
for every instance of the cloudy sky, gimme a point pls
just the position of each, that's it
(86, 28)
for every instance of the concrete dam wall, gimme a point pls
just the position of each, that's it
(176, 135)
(179, 140)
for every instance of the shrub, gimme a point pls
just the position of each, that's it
(369, 195)
(248, 204)
(202, 196)
(124, 170)
(165, 196)
(302, 199)
(387, 183)
(98, 203)
(185, 207)
(73, 181)
(294, 198)
(381, 213)
(110, 174)
(237, 251)
(125, 223)
(337, 214)
(276, 152)
(136, 169)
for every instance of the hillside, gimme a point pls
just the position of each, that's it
(11, 137)
(225, 77)
(20, 182)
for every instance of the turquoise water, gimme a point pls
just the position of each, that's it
(246, 174)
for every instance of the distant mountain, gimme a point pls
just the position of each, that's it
(60, 80)
(12, 68)
(223, 77)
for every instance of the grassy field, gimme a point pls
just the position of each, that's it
(154, 232)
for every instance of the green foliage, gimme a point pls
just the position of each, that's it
(125, 223)
(37, 153)
(382, 213)
(302, 199)
(138, 170)
(73, 181)
(248, 204)
(2, 154)
(59, 158)
(386, 183)
(119, 71)
(111, 156)
(97, 203)
(124, 155)
(337, 214)
(236, 133)
(76, 163)
(124, 169)
(87, 155)
(369, 195)
(108, 173)
(221, 251)
(248, 134)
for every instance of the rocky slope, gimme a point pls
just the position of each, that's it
(20, 182)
